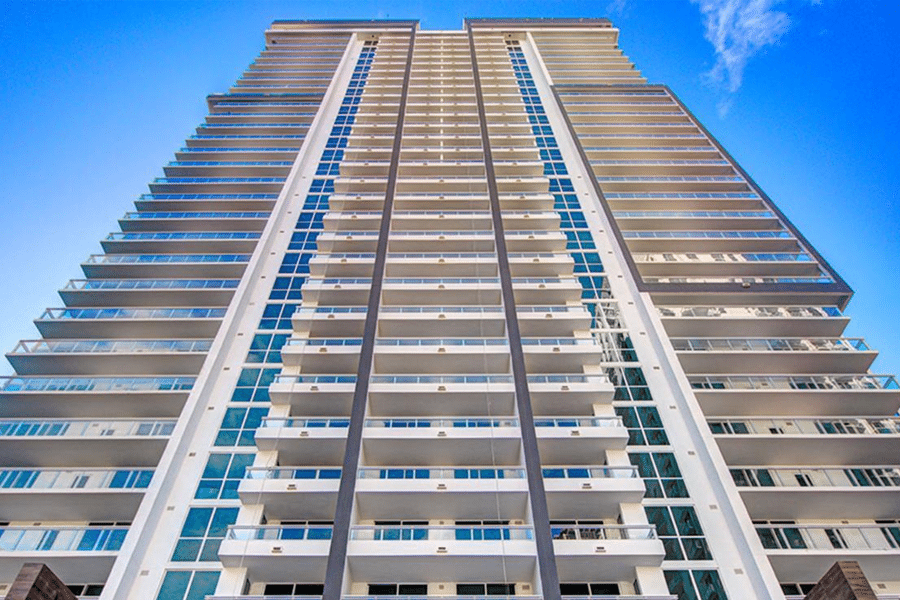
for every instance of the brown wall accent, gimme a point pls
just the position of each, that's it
(845, 580)
(37, 582)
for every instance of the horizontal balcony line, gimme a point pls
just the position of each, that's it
(769, 345)
(68, 314)
(74, 479)
(806, 426)
(110, 346)
(62, 539)
(794, 383)
(85, 427)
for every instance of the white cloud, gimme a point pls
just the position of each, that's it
(616, 7)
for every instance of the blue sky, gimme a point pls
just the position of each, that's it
(96, 96)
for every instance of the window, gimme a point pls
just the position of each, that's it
(86, 590)
(398, 589)
(188, 585)
(679, 529)
(485, 589)
(253, 385)
(660, 473)
(222, 475)
(589, 589)
(293, 589)
(644, 426)
(695, 585)
(239, 426)
(266, 347)
(203, 531)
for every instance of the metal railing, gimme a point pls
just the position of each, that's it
(85, 428)
(428, 532)
(874, 476)
(96, 384)
(75, 479)
(794, 382)
(807, 426)
(110, 346)
(279, 532)
(823, 537)
(769, 345)
(603, 532)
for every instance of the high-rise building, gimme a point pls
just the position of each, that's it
(449, 313)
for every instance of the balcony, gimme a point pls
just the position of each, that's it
(130, 322)
(448, 355)
(164, 265)
(442, 553)
(721, 321)
(438, 291)
(773, 355)
(71, 494)
(453, 441)
(304, 441)
(807, 440)
(277, 489)
(568, 394)
(474, 492)
(276, 552)
(578, 440)
(322, 355)
(148, 292)
(804, 552)
(441, 395)
(575, 492)
(81, 442)
(77, 396)
(606, 552)
(796, 395)
(561, 355)
(314, 395)
(211, 242)
(89, 357)
(73, 553)
(444, 321)
(804, 493)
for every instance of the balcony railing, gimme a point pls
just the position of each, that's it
(85, 428)
(110, 346)
(72, 479)
(823, 537)
(291, 422)
(603, 532)
(779, 312)
(440, 473)
(131, 216)
(769, 345)
(460, 422)
(151, 284)
(68, 314)
(279, 532)
(96, 384)
(883, 476)
(795, 382)
(807, 426)
(578, 422)
(157, 236)
(428, 532)
(441, 379)
(602, 472)
(61, 539)
(292, 473)
(119, 259)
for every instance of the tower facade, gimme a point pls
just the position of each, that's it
(469, 313)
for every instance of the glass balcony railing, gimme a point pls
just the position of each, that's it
(74, 479)
(85, 428)
(602, 472)
(291, 379)
(440, 473)
(694, 214)
(441, 342)
(603, 532)
(149, 236)
(96, 384)
(306, 423)
(324, 342)
(394, 379)
(794, 382)
(751, 234)
(866, 477)
(151, 284)
(744, 257)
(741, 280)
(232, 163)
(442, 280)
(279, 532)
(62, 539)
(132, 216)
(828, 538)
(110, 346)
(207, 196)
(120, 259)
(806, 426)
(769, 345)
(225, 149)
(292, 473)
(68, 314)
(459, 422)
(201, 180)
(388, 533)
(775, 312)
(578, 422)
(441, 309)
